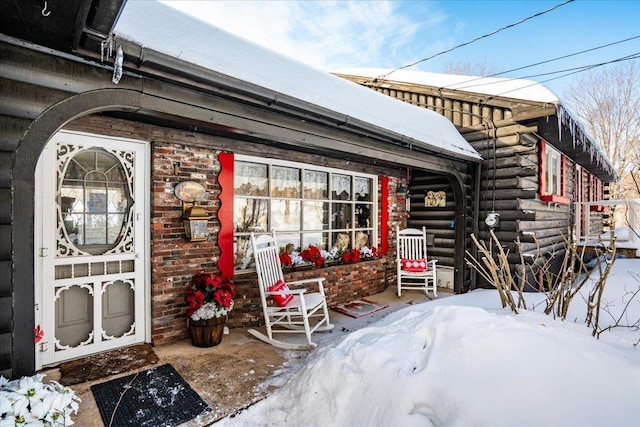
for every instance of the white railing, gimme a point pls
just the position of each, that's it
(626, 224)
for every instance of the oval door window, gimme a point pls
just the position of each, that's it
(95, 201)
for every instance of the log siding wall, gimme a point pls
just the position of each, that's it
(509, 179)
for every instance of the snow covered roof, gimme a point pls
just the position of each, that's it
(520, 89)
(171, 32)
(510, 88)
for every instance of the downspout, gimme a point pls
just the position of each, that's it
(476, 220)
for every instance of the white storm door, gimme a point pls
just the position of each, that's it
(91, 239)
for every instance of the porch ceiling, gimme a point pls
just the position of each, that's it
(63, 26)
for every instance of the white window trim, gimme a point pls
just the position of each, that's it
(547, 183)
(553, 166)
(375, 217)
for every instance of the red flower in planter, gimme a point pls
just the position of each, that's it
(209, 295)
(313, 255)
(350, 256)
(195, 300)
(285, 260)
(223, 297)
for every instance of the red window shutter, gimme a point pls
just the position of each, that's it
(384, 215)
(563, 174)
(225, 214)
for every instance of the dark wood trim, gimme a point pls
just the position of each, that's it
(23, 188)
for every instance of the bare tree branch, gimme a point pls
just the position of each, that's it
(608, 103)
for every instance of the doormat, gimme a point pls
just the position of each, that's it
(157, 397)
(359, 308)
(109, 363)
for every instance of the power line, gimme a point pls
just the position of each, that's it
(455, 85)
(567, 71)
(585, 67)
(380, 78)
(567, 56)
(573, 71)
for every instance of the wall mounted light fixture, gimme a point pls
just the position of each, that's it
(195, 221)
(194, 217)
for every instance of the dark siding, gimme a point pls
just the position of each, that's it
(509, 179)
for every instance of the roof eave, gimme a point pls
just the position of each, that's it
(146, 61)
(550, 116)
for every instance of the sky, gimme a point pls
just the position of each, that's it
(330, 35)
(462, 360)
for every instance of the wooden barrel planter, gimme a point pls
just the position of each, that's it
(206, 333)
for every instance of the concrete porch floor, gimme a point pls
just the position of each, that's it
(242, 370)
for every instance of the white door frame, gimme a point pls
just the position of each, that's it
(45, 239)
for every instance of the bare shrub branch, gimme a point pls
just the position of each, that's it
(497, 273)
(493, 266)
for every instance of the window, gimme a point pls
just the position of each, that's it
(595, 192)
(305, 205)
(596, 189)
(94, 201)
(552, 174)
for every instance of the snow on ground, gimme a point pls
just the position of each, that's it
(465, 361)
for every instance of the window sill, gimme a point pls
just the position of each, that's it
(251, 272)
(554, 198)
(327, 264)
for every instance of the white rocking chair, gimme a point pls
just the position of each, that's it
(414, 269)
(286, 310)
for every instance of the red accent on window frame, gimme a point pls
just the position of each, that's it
(225, 214)
(595, 192)
(594, 189)
(578, 179)
(577, 171)
(563, 175)
(545, 196)
(555, 199)
(542, 174)
(384, 215)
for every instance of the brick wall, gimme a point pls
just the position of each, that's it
(181, 155)
(175, 259)
(343, 283)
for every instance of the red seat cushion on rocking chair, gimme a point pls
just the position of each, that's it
(280, 300)
(414, 265)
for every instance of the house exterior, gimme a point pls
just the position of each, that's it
(538, 160)
(111, 119)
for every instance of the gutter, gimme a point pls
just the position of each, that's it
(153, 63)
